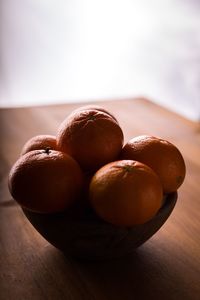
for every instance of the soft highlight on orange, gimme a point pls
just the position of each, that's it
(162, 156)
(126, 193)
(45, 181)
(91, 137)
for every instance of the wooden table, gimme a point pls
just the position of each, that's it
(165, 267)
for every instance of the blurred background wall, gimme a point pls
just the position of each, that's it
(54, 51)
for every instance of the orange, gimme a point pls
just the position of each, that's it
(91, 137)
(40, 142)
(45, 181)
(94, 107)
(126, 193)
(162, 156)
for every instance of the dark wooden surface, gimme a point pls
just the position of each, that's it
(165, 267)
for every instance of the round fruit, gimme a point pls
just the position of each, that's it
(92, 137)
(94, 107)
(126, 193)
(45, 181)
(162, 156)
(40, 142)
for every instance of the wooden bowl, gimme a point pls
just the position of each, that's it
(83, 235)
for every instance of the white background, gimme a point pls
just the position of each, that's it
(72, 50)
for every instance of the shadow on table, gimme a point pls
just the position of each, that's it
(142, 275)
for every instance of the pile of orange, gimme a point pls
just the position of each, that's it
(124, 184)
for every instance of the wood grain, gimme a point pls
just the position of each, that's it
(165, 267)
